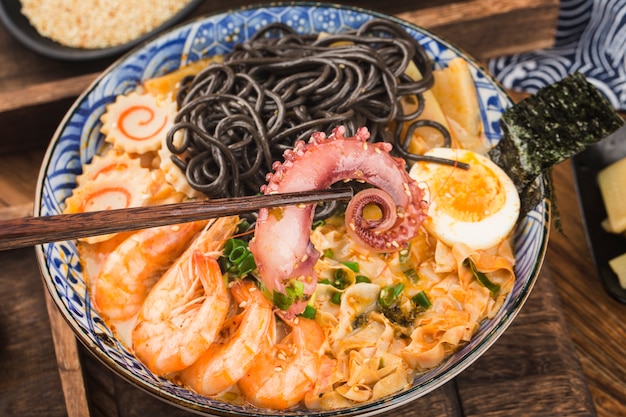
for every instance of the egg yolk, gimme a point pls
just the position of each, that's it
(470, 195)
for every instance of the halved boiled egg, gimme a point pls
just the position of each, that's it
(478, 206)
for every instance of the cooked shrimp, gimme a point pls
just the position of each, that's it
(282, 375)
(130, 271)
(184, 312)
(241, 339)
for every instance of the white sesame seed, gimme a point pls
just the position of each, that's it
(97, 24)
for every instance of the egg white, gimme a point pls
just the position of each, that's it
(486, 233)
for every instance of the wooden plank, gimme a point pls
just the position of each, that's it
(30, 383)
(501, 34)
(16, 212)
(462, 12)
(45, 92)
(18, 178)
(32, 127)
(22, 67)
(68, 361)
(595, 318)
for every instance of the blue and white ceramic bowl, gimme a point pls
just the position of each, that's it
(78, 139)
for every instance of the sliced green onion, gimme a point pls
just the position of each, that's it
(362, 278)
(309, 312)
(318, 223)
(336, 298)
(237, 254)
(340, 279)
(412, 275)
(353, 266)
(294, 291)
(422, 300)
(243, 226)
(247, 265)
(482, 278)
(237, 258)
(282, 301)
(389, 294)
(324, 281)
(328, 253)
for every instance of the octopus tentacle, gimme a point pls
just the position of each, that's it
(367, 231)
(282, 247)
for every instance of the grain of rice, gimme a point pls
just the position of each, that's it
(92, 24)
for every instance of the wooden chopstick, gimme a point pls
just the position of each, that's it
(30, 231)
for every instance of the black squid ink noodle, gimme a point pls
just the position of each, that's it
(238, 117)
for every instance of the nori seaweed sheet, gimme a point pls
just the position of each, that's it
(549, 127)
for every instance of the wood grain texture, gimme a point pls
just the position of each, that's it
(30, 383)
(45, 92)
(487, 29)
(31, 231)
(596, 320)
(68, 361)
(18, 178)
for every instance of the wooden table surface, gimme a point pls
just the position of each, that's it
(568, 342)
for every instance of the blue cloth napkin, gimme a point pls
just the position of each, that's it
(590, 38)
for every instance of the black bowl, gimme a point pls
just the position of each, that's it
(19, 27)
